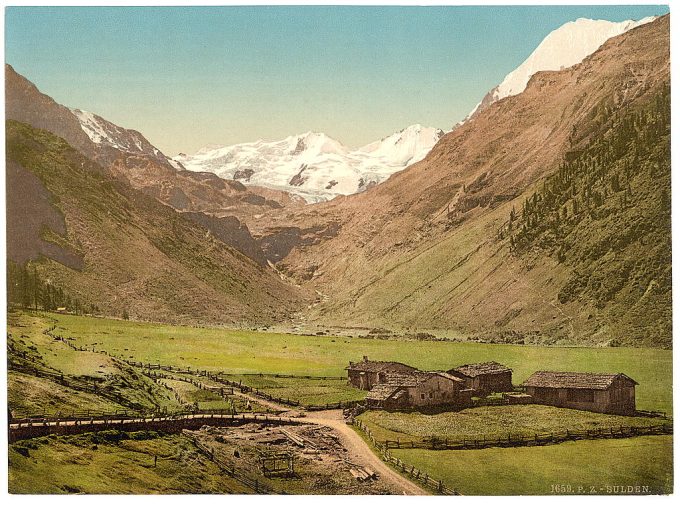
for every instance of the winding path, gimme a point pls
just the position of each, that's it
(350, 439)
(361, 452)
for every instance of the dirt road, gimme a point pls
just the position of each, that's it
(355, 445)
(362, 453)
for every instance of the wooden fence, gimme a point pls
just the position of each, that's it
(289, 376)
(221, 377)
(254, 484)
(172, 423)
(411, 471)
(223, 393)
(85, 384)
(189, 370)
(516, 440)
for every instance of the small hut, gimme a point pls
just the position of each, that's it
(485, 378)
(596, 392)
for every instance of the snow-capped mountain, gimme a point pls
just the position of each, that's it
(313, 165)
(564, 47)
(106, 134)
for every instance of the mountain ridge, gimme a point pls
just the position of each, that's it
(128, 155)
(312, 164)
(421, 249)
(113, 247)
(582, 37)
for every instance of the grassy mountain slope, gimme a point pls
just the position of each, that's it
(133, 253)
(425, 248)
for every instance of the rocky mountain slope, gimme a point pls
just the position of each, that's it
(426, 249)
(313, 165)
(546, 219)
(131, 157)
(108, 245)
(562, 48)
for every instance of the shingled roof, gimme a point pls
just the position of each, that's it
(573, 380)
(395, 382)
(381, 392)
(376, 366)
(413, 379)
(475, 369)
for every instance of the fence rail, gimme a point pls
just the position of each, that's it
(221, 378)
(413, 473)
(288, 376)
(172, 423)
(515, 440)
(245, 479)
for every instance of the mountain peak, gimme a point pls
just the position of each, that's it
(314, 165)
(562, 48)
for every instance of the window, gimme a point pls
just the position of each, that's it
(422, 396)
(430, 394)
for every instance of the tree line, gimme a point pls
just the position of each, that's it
(617, 146)
(25, 289)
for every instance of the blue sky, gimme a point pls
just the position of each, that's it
(187, 77)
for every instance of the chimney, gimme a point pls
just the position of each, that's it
(365, 358)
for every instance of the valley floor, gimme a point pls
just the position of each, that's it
(642, 465)
(69, 365)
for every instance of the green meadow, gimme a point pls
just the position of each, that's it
(493, 422)
(241, 351)
(575, 467)
(115, 463)
(306, 391)
(582, 467)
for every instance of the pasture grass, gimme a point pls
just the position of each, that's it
(241, 351)
(492, 422)
(106, 463)
(28, 395)
(306, 391)
(586, 466)
(204, 398)
(103, 384)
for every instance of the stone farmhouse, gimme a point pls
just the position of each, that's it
(597, 392)
(485, 378)
(419, 390)
(396, 386)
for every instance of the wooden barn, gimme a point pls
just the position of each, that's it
(419, 390)
(485, 378)
(367, 373)
(597, 392)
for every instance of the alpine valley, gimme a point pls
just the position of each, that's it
(542, 217)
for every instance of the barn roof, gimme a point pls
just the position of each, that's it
(476, 369)
(575, 380)
(377, 366)
(400, 381)
(381, 392)
(415, 378)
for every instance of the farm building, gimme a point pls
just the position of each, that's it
(597, 392)
(418, 390)
(486, 377)
(366, 373)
